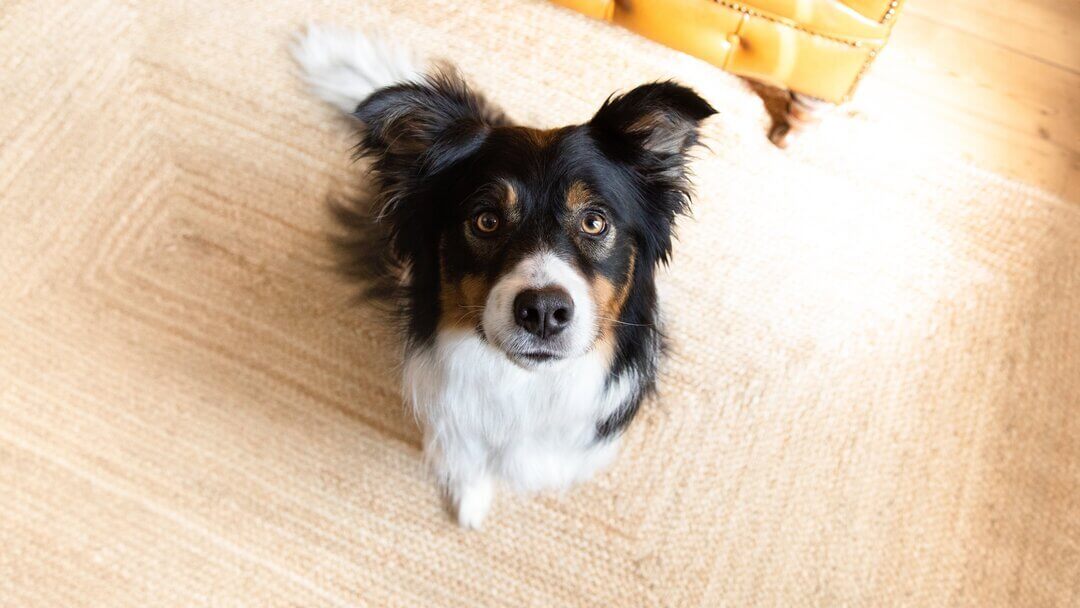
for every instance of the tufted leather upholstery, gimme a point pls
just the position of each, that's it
(814, 47)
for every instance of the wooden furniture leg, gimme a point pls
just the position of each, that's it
(802, 111)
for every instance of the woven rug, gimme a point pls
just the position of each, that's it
(872, 397)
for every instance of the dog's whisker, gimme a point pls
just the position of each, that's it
(466, 315)
(618, 322)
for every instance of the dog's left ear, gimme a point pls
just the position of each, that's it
(660, 119)
(651, 129)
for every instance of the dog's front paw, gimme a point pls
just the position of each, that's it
(474, 502)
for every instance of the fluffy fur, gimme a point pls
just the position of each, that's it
(522, 260)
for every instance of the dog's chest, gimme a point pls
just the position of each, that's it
(461, 384)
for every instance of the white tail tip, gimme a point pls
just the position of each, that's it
(343, 67)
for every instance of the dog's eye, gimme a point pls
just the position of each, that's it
(593, 224)
(486, 222)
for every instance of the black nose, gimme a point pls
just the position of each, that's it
(543, 312)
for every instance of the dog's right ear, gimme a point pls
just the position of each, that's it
(417, 129)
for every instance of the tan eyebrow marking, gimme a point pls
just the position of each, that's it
(577, 196)
(508, 200)
(510, 197)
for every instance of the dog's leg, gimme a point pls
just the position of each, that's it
(474, 501)
(802, 111)
(462, 469)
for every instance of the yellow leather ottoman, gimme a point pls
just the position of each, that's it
(816, 49)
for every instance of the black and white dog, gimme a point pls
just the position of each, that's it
(526, 260)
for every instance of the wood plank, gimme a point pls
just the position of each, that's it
(932, 126)
(1002, 109)
(1040, 29)
(1002, 86)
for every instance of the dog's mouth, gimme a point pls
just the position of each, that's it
(523, 358)
(535, 357)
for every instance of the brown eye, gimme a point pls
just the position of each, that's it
(593, 224)
(486, 222)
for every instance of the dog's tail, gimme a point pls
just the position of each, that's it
(343, 67)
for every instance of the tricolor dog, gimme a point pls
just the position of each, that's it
(524, 260)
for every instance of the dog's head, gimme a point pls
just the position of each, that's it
(543, 242)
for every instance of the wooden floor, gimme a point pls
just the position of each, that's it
(999, 82)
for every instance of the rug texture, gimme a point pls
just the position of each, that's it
(873, 396)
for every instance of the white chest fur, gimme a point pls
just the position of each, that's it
(484, 416)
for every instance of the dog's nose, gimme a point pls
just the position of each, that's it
(543, 312)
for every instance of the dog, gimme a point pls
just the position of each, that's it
(525, 260)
